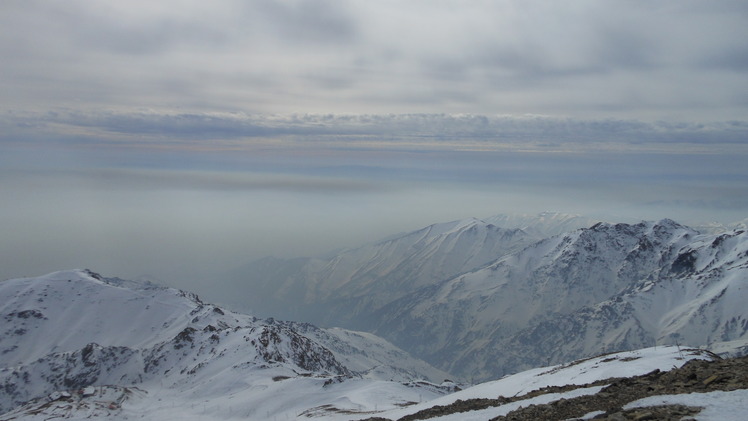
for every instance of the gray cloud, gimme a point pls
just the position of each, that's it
(586, 59)
(306, 21)
(733, 59)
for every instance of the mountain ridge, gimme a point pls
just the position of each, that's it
(371, 275)
(74, 329)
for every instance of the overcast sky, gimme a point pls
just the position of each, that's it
(181, 138)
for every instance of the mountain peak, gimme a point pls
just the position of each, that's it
(452, 226)
(70, 275)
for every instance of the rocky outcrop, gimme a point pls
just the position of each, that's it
(696, 376)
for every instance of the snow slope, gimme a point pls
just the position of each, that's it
(623, 364)
(73, 329)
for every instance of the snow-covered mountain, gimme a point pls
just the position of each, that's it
(343, 290)
(481, 301)
(70, 330)
(608, 287)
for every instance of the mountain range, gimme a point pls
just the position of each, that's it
(79, 346)
(481, 300)
(471, 300)
(344, 287)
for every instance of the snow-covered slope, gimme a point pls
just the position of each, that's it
(579, 372)
(608, 287)
(344, 289)
(73, 329)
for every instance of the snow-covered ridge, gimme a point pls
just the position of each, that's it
(57, 300)
(72, 329)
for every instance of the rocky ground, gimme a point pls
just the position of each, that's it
(696, 376)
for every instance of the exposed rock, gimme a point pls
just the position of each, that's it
(698, 376)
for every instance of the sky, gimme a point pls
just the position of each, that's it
(181, 139)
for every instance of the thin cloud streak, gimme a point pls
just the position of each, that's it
(430, 130)
(149, 180)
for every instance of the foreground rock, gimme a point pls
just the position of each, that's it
(696, 376)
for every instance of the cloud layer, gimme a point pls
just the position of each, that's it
(461, 131)
(683, 60)
(179, 138)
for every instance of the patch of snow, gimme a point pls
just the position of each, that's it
(591, 415)
(718, 405)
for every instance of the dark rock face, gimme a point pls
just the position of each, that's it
(684, 263)
(278, 343)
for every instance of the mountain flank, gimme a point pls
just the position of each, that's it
(72, 330)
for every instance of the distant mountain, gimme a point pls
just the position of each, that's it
(343, 290)
(719, 228)
(544, 224)
(481, 301)
(604, 288)
(70, 330)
